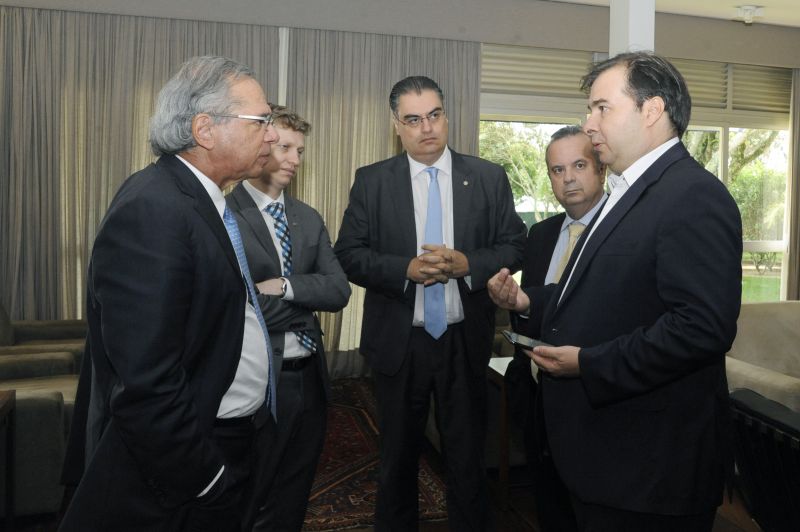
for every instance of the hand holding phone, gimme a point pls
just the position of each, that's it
(522, 341)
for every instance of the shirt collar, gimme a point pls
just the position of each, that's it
(213, 190)
(442, 164)
(586, 218)
(635, 171)
(261, 199)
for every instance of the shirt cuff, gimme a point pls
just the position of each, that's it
(289, 295)
(216, 478)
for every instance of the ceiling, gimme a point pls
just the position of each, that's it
(779, 12)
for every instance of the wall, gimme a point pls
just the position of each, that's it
(523, 22)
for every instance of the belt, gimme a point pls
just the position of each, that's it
(235, 421)
(295, 364)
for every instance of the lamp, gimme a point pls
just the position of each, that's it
(748, 12)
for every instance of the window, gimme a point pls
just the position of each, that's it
(739, 132)
(519, 148)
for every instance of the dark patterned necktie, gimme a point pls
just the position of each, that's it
(275, 209)
(236, 240)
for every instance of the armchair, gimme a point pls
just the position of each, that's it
(767, 448)
(765, 357)
(45, 384)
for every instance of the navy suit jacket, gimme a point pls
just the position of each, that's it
(652, 304)
(165, 308)
(378, 239)
(520, 386)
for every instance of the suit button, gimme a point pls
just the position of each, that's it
(553, 331)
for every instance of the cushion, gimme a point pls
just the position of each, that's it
(6, 330)
(769, 336)
(31, 365)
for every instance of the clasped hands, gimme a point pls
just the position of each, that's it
(561, 361)
(438, 264)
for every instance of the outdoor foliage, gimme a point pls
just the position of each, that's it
(519, 149)
(758, 190)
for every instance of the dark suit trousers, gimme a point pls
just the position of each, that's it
(439, 367)
(287, 464)
(219, 510)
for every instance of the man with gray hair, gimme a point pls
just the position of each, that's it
(177, 377)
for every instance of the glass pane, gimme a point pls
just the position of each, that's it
(703, 144)
(757, 168)
(519, 148)
(761, 276)
(758, 171)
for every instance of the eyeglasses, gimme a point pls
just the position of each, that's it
(264, 120)
(414, 121)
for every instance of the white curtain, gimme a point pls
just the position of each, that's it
(75, 101)
(340, 82)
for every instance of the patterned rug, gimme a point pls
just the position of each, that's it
(343, 494)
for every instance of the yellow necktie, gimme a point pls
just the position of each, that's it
(575, 231)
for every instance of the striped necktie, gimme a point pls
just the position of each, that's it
(236, 240)
(276, 210)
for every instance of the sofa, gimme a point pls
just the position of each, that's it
(765, 357)
(41, 336)
(40, 360)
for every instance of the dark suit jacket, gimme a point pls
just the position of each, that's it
(318, 281)
(165, 307)
(539, 248)
(520, 386)
(378, 239)
(653, 305)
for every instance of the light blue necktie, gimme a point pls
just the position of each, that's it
(236, 240)
(435, 316)
(275, 209)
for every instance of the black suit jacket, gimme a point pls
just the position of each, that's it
(541, 242)
(318, 282)
(165, 307)
(652, 304)
(378, 239)
(542, 239)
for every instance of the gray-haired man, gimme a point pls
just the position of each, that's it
(178, 372)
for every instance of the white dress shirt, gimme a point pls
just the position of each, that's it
(563, 240)
(248, 389)
(420, 180)
(291, 345)
(621, 184)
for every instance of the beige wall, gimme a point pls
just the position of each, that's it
(523, 22)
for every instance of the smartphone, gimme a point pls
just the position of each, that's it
(522, 341)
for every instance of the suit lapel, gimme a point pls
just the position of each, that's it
(295, 233)
(188, 183)
(255, 220)
(462, 187)
(617, 214)
(403, 201)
